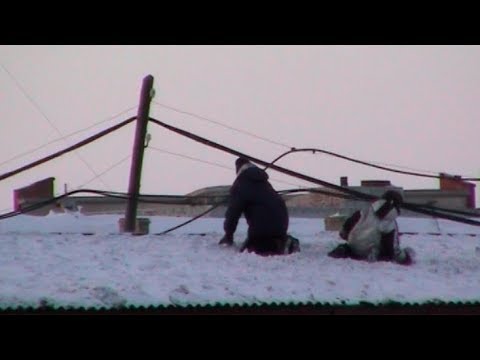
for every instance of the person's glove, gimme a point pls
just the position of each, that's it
(226, 240)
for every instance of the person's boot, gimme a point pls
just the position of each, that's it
(226, 240)
(407, 257)
(293, 244)
(340, 252)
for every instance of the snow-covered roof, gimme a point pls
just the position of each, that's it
(71, 260)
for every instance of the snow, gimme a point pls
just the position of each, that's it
(72, 260)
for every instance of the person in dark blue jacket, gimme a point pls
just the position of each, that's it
(264, 209)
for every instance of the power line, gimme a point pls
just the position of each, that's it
(221, 124)
(107, 170)
(46, 117)
(290, 147)
(223, 148)
(66, 136)
(315, 150)
(357, 194)
(193, 200)
(404, 167)
(64, 151)
(28, 97)
(190, 158)
(212, 163)
(464, 177)
(191, 220)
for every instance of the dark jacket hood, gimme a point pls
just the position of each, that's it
(254, 173)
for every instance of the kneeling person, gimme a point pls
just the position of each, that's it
(264, 209)
(372, 234)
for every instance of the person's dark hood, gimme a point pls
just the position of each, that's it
(253, 173)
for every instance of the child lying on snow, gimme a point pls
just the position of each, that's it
(372, 234)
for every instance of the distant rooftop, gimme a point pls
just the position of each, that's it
(211, 190)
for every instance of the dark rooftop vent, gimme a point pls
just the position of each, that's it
(376, 183)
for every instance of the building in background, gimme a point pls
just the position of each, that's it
(453, 193)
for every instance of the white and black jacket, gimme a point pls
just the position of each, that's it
(372, 233)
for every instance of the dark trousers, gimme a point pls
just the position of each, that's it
(386, 250)
(265, 246)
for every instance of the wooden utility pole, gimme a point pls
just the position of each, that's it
(138, 149)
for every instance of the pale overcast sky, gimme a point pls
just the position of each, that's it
(410, 106)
